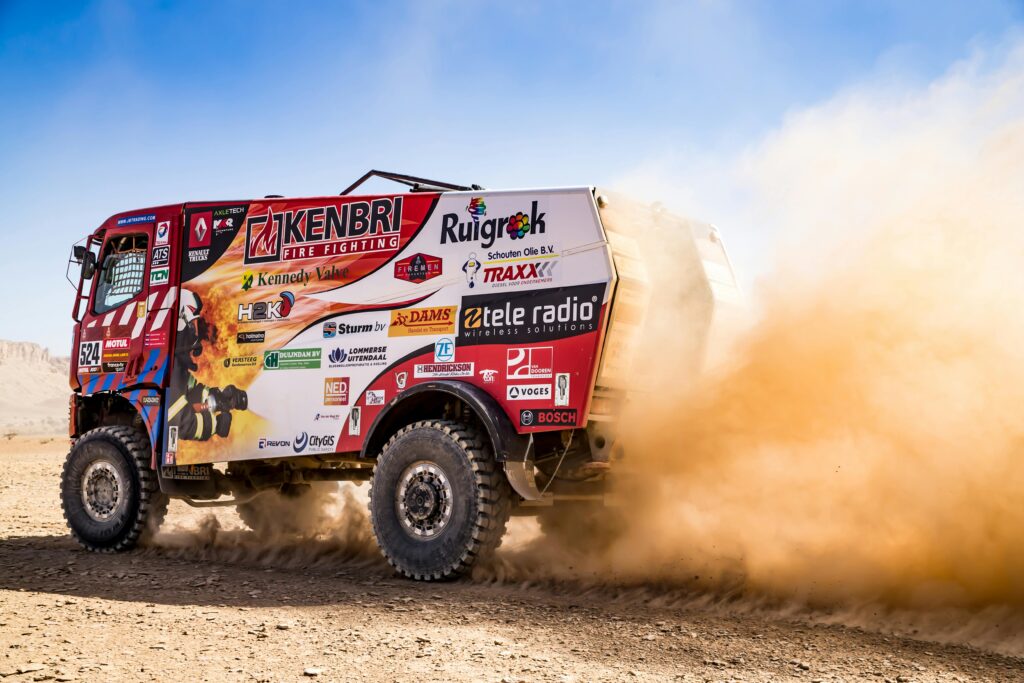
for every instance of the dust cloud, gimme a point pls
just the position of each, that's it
(325, 526)
(860, 449)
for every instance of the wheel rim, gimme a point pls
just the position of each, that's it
(102, 491)
(424, 500)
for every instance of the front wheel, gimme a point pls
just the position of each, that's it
(108, 491)
(438, 500)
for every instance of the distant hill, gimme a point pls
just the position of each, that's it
(33, 389)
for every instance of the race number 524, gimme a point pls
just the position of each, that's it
(89, 354)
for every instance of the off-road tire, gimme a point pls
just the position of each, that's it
(582, 526)
(268, 514)
(127, 451)
(480, 499)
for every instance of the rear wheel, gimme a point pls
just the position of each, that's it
(109, 493)
(438, 501)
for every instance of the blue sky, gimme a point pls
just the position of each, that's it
(110, 106)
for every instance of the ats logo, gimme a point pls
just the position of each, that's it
(517, 226)
(418, 268)
(263, 311)
(316, 232)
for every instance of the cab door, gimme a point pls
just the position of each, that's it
(110, 350)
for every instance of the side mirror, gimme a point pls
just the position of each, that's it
(88, 262)
(79, 252)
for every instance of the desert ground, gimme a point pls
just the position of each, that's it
(208, 601)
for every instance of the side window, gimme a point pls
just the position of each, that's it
(122, 271)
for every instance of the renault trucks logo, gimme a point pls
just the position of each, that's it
(199, 231)
(517, 226)
(418, 268)
(261, 311)
(316, 232)
(530, 316)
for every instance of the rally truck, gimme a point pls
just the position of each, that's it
(466, 351)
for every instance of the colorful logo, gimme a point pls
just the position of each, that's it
(477, 208)
(247, 281)
(518, 225)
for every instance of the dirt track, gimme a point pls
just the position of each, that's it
(236, 610)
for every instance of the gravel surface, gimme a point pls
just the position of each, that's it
(194, 610)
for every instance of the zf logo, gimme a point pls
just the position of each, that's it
(89, 354)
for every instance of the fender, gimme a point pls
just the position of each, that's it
(509, 446)
(148, 404)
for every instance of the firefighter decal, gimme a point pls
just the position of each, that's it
(201, 412)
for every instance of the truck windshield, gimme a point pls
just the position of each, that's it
(123, 270)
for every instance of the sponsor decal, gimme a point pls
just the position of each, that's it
(416, 321)
(242, 362)
(488, 376)
(316, 444)
(226, 218)
(355, 419)
(340, 329)
(444, 350)
(562, 389)
(336, 391)
(159, 277)
(161, 255)
(135, 220)
(89, 355)
(327, 416)
(300, 442)
(547, 417)
(442, 370)
(517, 226)
(471, 267)
(529, 362)
(188, 472)
(157, 338)
(359, 356)
(199, 234)
(150, 400)
(302, 277)
(528, 392)
(255, 337)
(530, 316)
(334, 230)
(291, 359)
(140, 309)
(163, 231)
(401, 378)
(273, 443)
(199, 229)
(266, 311)
(172, 439)
(418, 268)
(375, 397)
(115, 354)
(512, 274)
